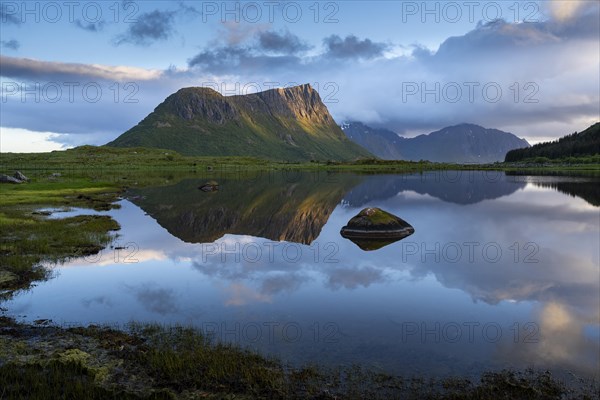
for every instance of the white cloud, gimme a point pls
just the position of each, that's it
(16, 140)
(29, 69)
(563, 10)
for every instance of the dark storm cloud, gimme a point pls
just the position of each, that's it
(10, 44)
(284, 43)
(352, 47)
(256, 54)
(229, 59)
(219, 58)
(148, 28)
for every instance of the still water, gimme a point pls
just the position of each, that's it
(502, 270)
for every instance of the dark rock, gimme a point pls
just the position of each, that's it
(9, 179)
(374, 228)
(18, 175)
(211, 186)
(44, 213)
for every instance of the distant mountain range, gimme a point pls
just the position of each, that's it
(285, 124)
(586, 143)
(464, 143)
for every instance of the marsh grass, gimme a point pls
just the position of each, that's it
(159, 362)
(29, 239)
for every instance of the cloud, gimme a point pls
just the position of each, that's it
(74, 99)
(253, 50)
(29, 69)
(91, 27)
(564, 10)
(284, 43)
(7, 16)
(10, 44)
(24, 141)
(219, 59)
(250, 49)
(491, 39)
(235, 33)
(565, 89)
(352, 47)
(230, 59)
(148, 28)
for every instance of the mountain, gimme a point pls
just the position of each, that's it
(381, 142)
(586, 143)
(464, 143)
(286, 124)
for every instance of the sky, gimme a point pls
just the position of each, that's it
(83, 72)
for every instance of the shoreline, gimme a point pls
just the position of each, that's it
(159, 362)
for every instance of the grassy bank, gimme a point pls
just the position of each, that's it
(103, 159)
(154, 362)
(28, 238)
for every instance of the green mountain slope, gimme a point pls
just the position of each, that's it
(283, 124)
(586, 143)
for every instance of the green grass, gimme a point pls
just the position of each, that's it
(29, 239)
(102, 163)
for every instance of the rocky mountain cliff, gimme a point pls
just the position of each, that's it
(464, 143)
(285, 124)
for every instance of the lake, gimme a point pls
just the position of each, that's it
(501, 271)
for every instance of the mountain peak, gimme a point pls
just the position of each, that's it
(197, 90)
(466, 125)
(305, 87)
(283, 123)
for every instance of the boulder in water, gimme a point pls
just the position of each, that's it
(211, 186)
(373, 228)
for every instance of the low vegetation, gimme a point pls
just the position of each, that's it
(156, 362)
(114, 165)
(29, 239)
